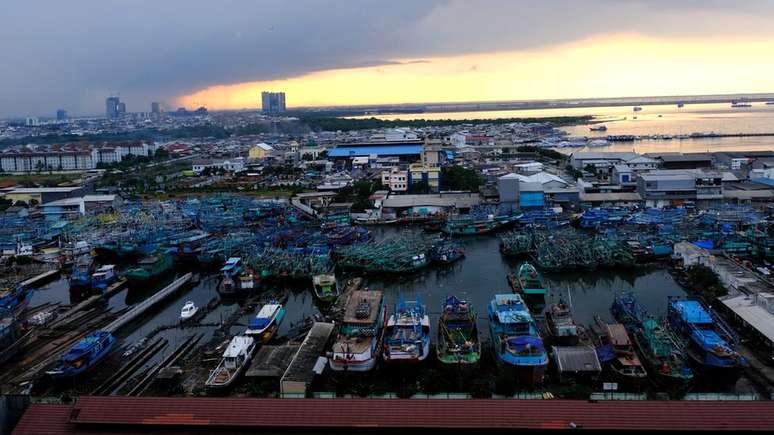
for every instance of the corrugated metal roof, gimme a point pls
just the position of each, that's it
(176, 414)
(383, 150)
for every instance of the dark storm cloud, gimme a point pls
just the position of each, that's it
(72, 54)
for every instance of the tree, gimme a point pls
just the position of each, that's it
(161, 154)
(460, 178)
(419, 187)
(705, 282)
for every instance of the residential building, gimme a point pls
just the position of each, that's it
(430, 175)
(111, 107)
(673, 187)
(273, 102)
(260, 151)
(396, 179)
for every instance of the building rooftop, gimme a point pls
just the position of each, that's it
(367, 150)
(35, 190)
(128, 415)
(751, 312)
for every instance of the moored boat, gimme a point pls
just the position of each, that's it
(103, 277)
(528, 283)
(84, 355)
(14, 301)
(446, 252)
(561, 327)
(325, 287)
(620, 358)
(235, 360)
(516, 338)
(188, 311)
(231, 271)
(80, 278)
(407, 334)
(150, 268)
(266, 323)
(458, 341)
(709, 343)
(358, 342)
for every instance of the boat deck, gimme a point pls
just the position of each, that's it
(372, 298)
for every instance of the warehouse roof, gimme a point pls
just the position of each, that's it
(113, 414)
(379, 150)
(753, 314)
(459, 200)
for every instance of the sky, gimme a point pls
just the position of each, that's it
(222, 54)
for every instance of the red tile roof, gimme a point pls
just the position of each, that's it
(126, 414)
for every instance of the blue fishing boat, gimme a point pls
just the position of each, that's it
(84, 355)
(516, 338)
(709, 343)
(81, 274)
(104, 277)
(407, 336)
(446, 252)
(14, 301)
(266, 323)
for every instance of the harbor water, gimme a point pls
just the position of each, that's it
(475, 278)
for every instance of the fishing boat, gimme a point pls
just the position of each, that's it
(14, 301)
(516, 338)
(150, 268)
(84, 355)
(231, 271)
(598, 128)
(616, 353)
(561, 326)
(104, 277)
(13, 337)
(358, 341)
(636, 109)
(235, 360)
(325, 287)
(663, 358)
(446, 252)
(709, 343)
(528, 283)
(80, 278)
(458, 341)
(266, 323)
(188, 311)
(407, 335)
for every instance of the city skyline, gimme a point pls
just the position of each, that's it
(431, 51)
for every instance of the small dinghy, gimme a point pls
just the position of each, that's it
(189, 310)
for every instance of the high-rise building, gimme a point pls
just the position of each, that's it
(272, 102)
(61, 115)
(155, 108)
(121, 108)
(111, 107)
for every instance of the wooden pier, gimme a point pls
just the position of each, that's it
(143, 306)
(43, 278)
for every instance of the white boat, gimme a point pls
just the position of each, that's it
(266, 322)
(636, 108)
(235, 359)
(189, 310)
(358, 342)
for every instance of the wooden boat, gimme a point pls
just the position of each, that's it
(84, 355)
(14, 301)
(458, 341)
(235, 360)
(407, 334)
(528, 283)
(358, 342)
(103, 277)
(561, 327)
(325, 287)
(624, 365)
(266, 323)
(188, 311)
(150, 268)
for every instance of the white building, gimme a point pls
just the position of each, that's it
(396, 179)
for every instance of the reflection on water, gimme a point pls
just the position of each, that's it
(652, 120)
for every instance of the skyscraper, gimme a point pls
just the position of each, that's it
(61, 115)
(155, 108)
(272, 102)
(121, 109)
(111, 107)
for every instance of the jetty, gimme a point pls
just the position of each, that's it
(143, 306)
(305, 364)
(40, 279)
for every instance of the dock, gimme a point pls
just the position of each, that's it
(43, 278)
(140, 308)
(272, 361)
(87, 304)
(304, 365)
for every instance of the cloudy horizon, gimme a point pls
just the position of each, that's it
(72, 55)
